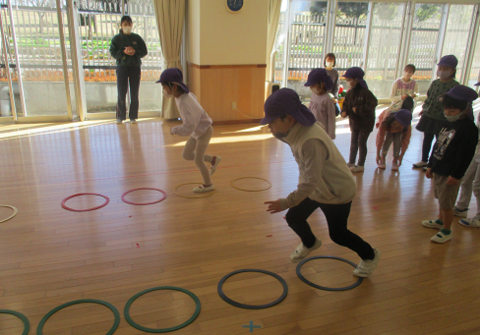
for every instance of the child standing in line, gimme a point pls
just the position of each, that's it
(359, 106)
(451, 156)
(395, 127)
(470, 181)
(402, 88)
(324, 180)
(432, 116)
(329, 62)
(321, 104)
(196, 124)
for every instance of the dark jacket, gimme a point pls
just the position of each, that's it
(365, 103)
(120, 42)
(454, 149)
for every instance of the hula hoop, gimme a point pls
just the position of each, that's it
(84, 210)
(232, 183)
(82, 301)
(237, 304)
(15, 211)
(299, 274)
(205, 195)
(26, 324)
(147, 203)
(132, 323)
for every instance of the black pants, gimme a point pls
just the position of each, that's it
(358, 141)
(126, 75)
(427, 145)
(337, 216)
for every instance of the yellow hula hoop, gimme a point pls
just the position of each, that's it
(232, 183)
(15, 211)
(204, 195)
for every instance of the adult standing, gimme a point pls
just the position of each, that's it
(128, 48)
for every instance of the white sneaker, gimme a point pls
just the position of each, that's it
(119, 121)
(394, 166)
(213, 168)
(420, 164)
(133, 121)
(432, 224)
(366, 267)
(473, 222)
(302, 251)
(460, 212)
(350, 165)
(203, 189)
(441, 237)
(382, 164)
(357, 168)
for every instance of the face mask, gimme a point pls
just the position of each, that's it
(166, 94)
(127, 30)
(452, 118)
(444, 74)
(329, 64)
(315, 90)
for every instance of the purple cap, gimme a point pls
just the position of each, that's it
(287, 101)
(356, 73)
(449, 60)
(319, 76)
(463, 93)
(404, 117)
(174, 76)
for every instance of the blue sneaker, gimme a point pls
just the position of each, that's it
(460, 212)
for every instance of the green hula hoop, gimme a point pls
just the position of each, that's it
(132, 323)
(82, 301)
(26, 324)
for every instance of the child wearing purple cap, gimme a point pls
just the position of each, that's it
(359, 106)
(470, 182)
(451, 156)
(432, 116)
(324, 182)
(321, 104)
(196, 124)
(393, 127)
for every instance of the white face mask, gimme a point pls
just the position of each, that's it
(444, 74)
(452, 118)
(315, 90)
(329, 64)
(166, 94)
(127, 30)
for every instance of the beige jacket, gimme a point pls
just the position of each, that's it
(324, 174)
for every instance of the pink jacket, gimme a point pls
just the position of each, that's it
(381, 133)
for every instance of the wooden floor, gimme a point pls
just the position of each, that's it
(50, 256)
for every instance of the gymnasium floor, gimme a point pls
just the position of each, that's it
(50, 256)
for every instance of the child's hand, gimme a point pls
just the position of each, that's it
(452, 181)
(404, 96)
(429, 173)
(421, 113)
(273, 206)
(344, 114)
(379, 159)
(413, 95)
(354, 109)
(171, 131)
(399, 160)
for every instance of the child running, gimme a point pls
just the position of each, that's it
(196, 124)
(324, 180)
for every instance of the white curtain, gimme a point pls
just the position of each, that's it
(170, 16)
(273, 19)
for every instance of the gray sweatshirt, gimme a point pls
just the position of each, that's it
(324, 174)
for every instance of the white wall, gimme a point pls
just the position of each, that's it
(218, 37)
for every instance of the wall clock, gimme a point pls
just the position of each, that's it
(234, 6)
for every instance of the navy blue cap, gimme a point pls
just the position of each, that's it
(404, 117)
(356, 73)
(477, 84)
(287, 101)
(461, 92)
(319, 76)
(174, 76)
(448, 60)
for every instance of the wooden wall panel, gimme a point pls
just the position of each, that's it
(218, 86)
